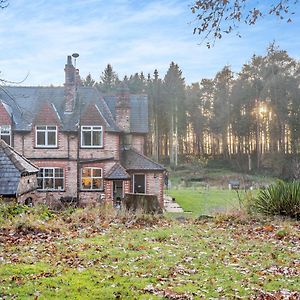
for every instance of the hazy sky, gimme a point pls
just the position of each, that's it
(133, 36)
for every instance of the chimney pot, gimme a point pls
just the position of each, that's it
(69, 60)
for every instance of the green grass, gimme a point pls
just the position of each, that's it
(203, 201)
(204, 260)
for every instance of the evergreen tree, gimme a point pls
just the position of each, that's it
(88, 81)
(108, 80)
(175, 109)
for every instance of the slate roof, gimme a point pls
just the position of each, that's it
(139, 112)
(117, 172)
(26, 102)
(12, 167)
(132, 160)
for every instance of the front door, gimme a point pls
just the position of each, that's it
(139, 184)
(117, 192)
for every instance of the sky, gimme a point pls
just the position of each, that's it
(133, 36)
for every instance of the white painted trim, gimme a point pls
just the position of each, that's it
(46, 137)
(91, 130)
(91, 189)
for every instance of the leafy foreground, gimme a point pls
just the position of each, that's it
(229, 258)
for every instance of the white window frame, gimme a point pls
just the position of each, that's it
(51, 177)
(91, 178)
(91, 129)
(5, 130)
(145, 182)
(46, 130)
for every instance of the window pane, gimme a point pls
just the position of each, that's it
(41, 127)
(48, 172)
(40, 138)
(86, 172)
(59, 184)
(5, 129)
(51, 128)
(97, 183)
(40, 183)
(97, 138)
(51, 138)
(59, 172)
(48, 182)
(86, 183)
(86, 138)
(96, 172)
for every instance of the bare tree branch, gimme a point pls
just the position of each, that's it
(217, 17)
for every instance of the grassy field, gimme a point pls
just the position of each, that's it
(201, 201)
(166, 260)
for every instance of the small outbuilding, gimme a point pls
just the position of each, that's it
(18, 176)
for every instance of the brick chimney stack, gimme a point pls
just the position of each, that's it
(123, 108)
(70, 85)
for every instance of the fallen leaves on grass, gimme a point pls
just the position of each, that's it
(167, 293)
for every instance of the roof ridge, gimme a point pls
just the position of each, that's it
(11, 154)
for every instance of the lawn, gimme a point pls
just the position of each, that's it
(168, 260)
(201, 201)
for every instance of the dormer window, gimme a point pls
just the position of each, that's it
(46, 136)
(91, 136)
(5, 133)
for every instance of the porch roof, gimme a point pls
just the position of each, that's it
(132, 160)
(117, 172)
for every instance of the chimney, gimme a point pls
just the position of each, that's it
(123, 108)
(70, 85)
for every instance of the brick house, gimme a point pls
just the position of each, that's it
(87, 146)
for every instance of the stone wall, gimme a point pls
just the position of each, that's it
(27, 184)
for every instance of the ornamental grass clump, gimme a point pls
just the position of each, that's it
(281, 198)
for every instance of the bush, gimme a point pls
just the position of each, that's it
(281, 198)
(12, 209)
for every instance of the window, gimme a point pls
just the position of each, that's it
(51, 179)
(46, 136)
(91, 136)
(139, 183)
(91, 179)
(5, 133)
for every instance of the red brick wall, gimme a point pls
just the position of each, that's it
(91, 116)
(111, 148)
(4, 116)
(47, 116)
(138, 141)
(155, 184)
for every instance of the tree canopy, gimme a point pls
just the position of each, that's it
(214, 18)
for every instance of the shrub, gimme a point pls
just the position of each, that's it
(281, 198)
(12, 209)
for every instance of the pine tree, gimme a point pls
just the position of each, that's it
(88, 81)
(108, 80)
(175, 109)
